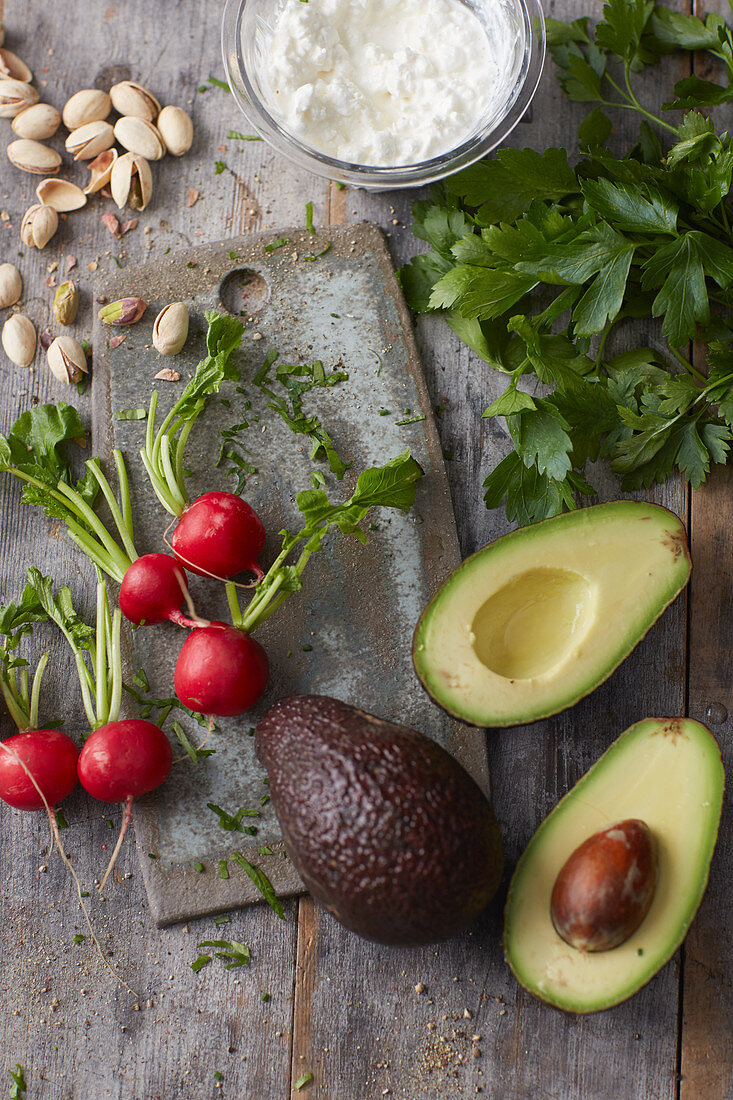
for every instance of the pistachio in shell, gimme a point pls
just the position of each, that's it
(131, 181)
(66, 359)
(88, 105)
(129, 98)
(170, 329)
(62, 195)
(11, 285)
(15, 96)
(90, 139)
(139, 136)
(125, 311)
(19, 340)
(66, 303)
(100, 171)
(176, 129)
(32, 156)
(37, 123)
(14, 68)
(38, 225)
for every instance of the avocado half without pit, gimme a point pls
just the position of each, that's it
(641, 824)
(539, 618)
(385, 828)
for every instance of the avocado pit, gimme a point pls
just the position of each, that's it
(605, 888)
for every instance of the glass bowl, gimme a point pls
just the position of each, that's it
(246, 28)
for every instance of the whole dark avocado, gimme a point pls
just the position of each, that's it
(385, 828)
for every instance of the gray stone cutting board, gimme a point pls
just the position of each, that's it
(359, 604)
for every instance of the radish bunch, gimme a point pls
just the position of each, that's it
(120, 760)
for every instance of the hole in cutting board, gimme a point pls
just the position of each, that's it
(244, 292)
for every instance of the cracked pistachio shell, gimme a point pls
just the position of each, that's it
(19, 340)
(37, 122)
(139, 136)
(66, 303)
(62, 195)
(32, 156)
(176, 129)
(131, 182)
(90, 140)
(101, 171)
(12, 66)
(66, 359)
(11, 285)
(39, 225)
(170, 329)
(15, 96)
(88, 105)
(129, 98)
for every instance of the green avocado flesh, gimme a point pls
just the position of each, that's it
(666, 772)
(538, 619)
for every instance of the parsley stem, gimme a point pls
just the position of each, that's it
(602, 344)
(687, 364)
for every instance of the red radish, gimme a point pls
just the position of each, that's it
(120, 762)
(49, 757)
(219, 535)
(152, 591)
(221, 670)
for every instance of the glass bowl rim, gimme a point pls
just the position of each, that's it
(369, 176)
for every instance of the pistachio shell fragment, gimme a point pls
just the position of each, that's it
(101, 171)
(88, 105)
(19, 340)
(32, 156)
(37, 122)
(170, 329)
(131, 182)
(15, 96)
(126, 311)
(89, 140)
(62, 195)
(12, 66)
(66, 359)
(11, 285)
(139, 136)
(176, 129)
(39, 225)
(129, 98)
(66, 303)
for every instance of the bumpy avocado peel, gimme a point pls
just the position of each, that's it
(385, 828)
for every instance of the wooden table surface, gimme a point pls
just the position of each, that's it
(339, 1008)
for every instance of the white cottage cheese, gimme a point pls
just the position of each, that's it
(384, 82)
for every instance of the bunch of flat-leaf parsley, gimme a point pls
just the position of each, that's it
(535, 262)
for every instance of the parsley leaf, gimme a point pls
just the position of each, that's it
(536, 257)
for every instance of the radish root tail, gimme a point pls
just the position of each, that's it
(253, 568)
(120, 838)
(57, 838)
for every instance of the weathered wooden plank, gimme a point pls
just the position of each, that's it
(707, 1043)
(95, 1044)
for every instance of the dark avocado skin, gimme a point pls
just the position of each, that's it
(385, 828)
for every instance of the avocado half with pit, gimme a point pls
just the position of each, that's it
(666, 772)
(539, 618)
